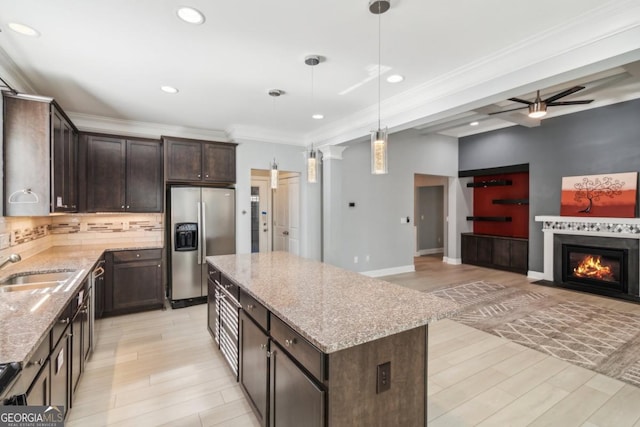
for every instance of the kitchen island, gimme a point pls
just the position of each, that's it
(349, 348)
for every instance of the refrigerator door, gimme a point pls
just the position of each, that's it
(186, 271)
(218, 225)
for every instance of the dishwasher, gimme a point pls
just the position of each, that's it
(228, 312)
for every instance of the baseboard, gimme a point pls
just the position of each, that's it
(535, 275)
(421, 252)
(389, 271)
(452, 261)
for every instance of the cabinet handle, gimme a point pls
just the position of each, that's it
(198, 175)
(63, 321)
(37, 362)
(271, 353)
(250, 306)
(206, 176)
(122, 207)
(263, 346)
(128, 206)
(289, 343)
(137, 255)
(73, 206)
(159, 265)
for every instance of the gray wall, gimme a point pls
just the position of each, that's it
(430, 218)
(601, 140)
(373, 226)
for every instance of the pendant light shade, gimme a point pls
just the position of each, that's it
(274, 175)
(312, 167)
(379, 145)
(379, 138)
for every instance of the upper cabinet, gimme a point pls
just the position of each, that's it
(122, 174)
(40, 163)
(190, 160)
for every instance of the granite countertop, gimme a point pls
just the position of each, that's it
(27, 316)
(333, 308)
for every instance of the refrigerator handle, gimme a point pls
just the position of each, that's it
(199, 235)
(204, 232)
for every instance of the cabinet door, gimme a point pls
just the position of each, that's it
(59, 363)
(136, 285)
(294, 396)
(254, 366)
(106, 174)
(219, 163)
(501, 251)
(38, 394)
(184, 160)
(76, 353)
(520, 255)
(469, 249)
(485, 250)
(144, 176)
(99, 290)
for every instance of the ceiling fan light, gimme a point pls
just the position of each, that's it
(537, 110)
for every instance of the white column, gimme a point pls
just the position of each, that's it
(331, 203)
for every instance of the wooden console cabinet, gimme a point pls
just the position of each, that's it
(504, 253)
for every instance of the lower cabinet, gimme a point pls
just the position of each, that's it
(39, 392)
(133, 281)
(504, 253)
(59, 366)
(254, 366)
(294, 396)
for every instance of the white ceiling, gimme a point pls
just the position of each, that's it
(104, 61)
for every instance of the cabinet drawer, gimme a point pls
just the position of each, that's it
(255, 310)
(231, 287)
(145, 254)
(295, 344)
(37, 361)
(61, 325)
(213, 273)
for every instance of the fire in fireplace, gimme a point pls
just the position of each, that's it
(604, 268)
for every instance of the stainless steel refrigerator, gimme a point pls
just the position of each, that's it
(202, 223)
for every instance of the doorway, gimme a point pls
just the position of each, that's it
(275, 214)
(430, 212)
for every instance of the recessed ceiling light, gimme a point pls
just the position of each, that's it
(395, 78)
(23, 29)
(318, 116)
(169, 89)
(190, 15)
(474, 123)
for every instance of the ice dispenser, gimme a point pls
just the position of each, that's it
(186, 236)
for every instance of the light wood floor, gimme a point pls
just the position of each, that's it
(161, 368)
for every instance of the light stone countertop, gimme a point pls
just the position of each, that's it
(333, 308)
(24, 324)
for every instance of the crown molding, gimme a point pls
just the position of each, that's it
(13, 75)
(92, 123)
(331, 152)
(591, 42)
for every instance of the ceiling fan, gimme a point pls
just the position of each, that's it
(538, 107)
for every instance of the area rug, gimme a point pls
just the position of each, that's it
(593, 337)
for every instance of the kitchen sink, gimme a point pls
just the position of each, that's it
(34, 280)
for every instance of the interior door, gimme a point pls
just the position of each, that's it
(264, 212)
(286, 234)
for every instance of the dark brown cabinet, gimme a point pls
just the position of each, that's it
(294, 396)
(505, 253)
(254, 366)
(122, 174)
(59, 366)
(40, 157)
(39, 392)
(190, 160)
(133, 281)
(80, 339)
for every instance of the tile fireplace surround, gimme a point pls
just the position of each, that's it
(627, 230)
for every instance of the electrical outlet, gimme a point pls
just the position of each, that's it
(383, 382)
(355, 259)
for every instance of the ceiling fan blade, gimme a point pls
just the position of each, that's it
(522, 101)
(563, 94)
(506, 111)
(583, 102)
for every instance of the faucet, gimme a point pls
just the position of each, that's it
(10, 258)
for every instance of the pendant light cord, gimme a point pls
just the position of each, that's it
(379, 55)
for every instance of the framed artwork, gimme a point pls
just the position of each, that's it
(611, 195)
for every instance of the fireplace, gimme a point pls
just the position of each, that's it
(603, 265)
(596, 267)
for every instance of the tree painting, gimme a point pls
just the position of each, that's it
(594, 189)
(613, 195)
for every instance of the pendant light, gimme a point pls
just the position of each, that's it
(379, 138)
(274, 93)
(312, 161)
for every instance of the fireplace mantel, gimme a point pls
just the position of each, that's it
(622, 228)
